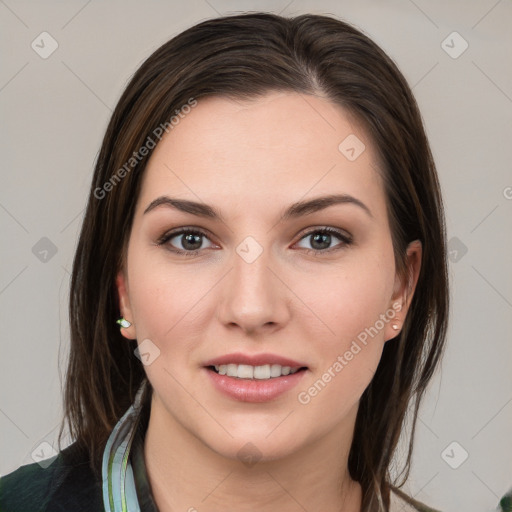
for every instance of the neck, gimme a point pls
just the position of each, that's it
(186, 474)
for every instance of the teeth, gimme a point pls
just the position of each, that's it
(275, 370)
(231, 370)
(246, 371)
(262, 372)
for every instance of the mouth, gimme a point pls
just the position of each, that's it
(260, 372)
(254, 378)
(254, 383)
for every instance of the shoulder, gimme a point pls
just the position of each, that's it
(505, 504)
(400, 502)
(67, 483)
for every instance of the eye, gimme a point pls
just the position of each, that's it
(189, 241)
(186, 241)
(320, 240)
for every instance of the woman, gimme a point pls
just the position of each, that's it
(260, 290)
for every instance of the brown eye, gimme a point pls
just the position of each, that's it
(320, 239)
(184, 241)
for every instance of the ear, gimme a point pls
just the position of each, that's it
(124, 305)
(404, 291)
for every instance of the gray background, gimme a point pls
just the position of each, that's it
(55, 111)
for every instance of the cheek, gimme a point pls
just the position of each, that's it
(346, 367)
(353, 311)
(164, 297)
(350, 298)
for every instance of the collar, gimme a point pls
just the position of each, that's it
(125, 482)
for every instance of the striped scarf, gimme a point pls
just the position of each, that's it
(119, 493)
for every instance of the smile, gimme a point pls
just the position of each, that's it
(247, 371)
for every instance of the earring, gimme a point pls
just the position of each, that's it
(395, 327)
(123, 323)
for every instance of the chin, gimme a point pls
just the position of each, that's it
(263, 438)
(250, 450)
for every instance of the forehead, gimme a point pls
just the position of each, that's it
(283, 145)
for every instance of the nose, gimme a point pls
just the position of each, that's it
(254, 297)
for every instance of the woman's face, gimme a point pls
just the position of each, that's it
(258, 276)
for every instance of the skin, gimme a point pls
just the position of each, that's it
(251, 160)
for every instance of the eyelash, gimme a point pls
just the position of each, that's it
(345, 239)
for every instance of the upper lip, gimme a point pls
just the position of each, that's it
(254, 360)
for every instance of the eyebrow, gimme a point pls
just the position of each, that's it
(296, 210)
(301, 208)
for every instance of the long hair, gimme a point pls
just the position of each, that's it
(246, 56)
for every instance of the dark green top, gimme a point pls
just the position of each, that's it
(69, 484)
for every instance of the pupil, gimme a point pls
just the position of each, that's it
(321, 238)
(192, 238)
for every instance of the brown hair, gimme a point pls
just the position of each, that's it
(245, 56)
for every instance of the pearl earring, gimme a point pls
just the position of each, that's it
(395, 327)
(123, 323)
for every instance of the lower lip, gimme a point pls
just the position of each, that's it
(254, 390)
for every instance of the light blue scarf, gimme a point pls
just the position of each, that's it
(119, 494)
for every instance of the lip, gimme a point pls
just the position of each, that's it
(254, 360)
(254, 390)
